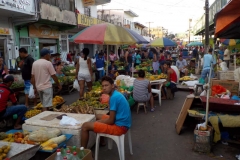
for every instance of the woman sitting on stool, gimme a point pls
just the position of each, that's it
(142, 89)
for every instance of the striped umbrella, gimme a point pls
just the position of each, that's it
(195, 44)
(230, 42)
(104, 33)
(162, 42)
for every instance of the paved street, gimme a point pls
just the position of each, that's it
(154, 136)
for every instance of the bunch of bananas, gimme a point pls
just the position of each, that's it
(57, 100)
(32, 113)
(39, 106)
(186, 78)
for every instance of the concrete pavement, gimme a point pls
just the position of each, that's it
(154, 136)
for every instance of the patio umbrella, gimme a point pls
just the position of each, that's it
(162, 42)
(104, 33)
(230, 42)
(140, 39)
(195, 44)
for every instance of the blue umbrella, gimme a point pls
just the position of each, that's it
(137, 37)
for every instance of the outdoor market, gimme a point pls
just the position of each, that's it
(70, 108)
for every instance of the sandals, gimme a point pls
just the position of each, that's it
(152, 109)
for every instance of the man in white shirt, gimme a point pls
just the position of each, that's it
(226, 57)
(182, 65)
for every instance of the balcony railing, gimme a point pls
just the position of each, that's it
(62, 4)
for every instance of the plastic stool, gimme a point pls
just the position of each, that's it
(198, 85)
(119, 141)
(142, 104)
(158, 91)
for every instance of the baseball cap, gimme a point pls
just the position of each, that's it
(8, 78)
(45, 51)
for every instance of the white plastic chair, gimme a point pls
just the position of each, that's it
(158, 91)
(119, 141)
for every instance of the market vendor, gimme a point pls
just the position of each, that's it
(119, 120)
(169, 87)
(112, 68)
(6, 94)
(3, 68)
(58, 68)
(182, 65)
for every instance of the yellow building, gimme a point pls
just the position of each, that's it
(156, 32)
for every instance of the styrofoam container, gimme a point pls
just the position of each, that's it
(36, 123)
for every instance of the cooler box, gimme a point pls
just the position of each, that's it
(36, 123)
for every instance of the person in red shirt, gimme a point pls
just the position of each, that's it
(69, 56)
(169, 87)
(7, 94)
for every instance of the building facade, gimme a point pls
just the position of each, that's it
(13, 13)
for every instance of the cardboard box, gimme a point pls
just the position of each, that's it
(88, 155)
(232, 86)
(225, 75)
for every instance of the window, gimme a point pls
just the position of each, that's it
(64, 43)
(62, 4)
(87, 11)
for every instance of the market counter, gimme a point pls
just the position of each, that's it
(20, 151)
(37, 122)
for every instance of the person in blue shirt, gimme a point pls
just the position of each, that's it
(119, 120)
(221, 53)
(207, 60)
(112, 69)
(100, 63)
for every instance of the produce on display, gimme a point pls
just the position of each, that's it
(186, 78)
(69, 70)
(17, 84)
(43, 134)
(4, 151)
(3, 135)
(66, 80)
(53, 143)
(56, 101)
(19, 137)
(32, 113)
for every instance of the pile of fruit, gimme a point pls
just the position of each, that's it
(186, 78)
(49, 139)
(69, 70)
(55, 101)
(66, 80)
(32, 113)
(4, 151)
(17, 84)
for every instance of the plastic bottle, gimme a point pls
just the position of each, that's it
(74, 149)
(69, 155)
(65, 158)
(81, 153)
(58, 156)
(75, 157)
(64, 151)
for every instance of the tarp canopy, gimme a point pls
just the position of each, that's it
(227, 21)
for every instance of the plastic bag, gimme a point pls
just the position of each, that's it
(31, 92)
(43, 135)
(131, 101)
(76, 85)
(68, 121)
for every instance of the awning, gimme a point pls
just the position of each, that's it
(227, 21)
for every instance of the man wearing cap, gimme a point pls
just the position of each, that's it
(42, 71)
(181, 64)
(207, 60)
(6, 94)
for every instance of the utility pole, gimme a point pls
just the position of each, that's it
(206, 25)
(149, 27)
(189, 30)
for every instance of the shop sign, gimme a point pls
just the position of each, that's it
(87, 3)
(4, 31)
(85, 20)
(19, 5)
(43, 31)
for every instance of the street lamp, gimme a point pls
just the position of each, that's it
(189, 30)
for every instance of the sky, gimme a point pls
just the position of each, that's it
(173, 15)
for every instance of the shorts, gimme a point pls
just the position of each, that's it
(27, 85)
(84, 77)
(46, 97)
(99, 127)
